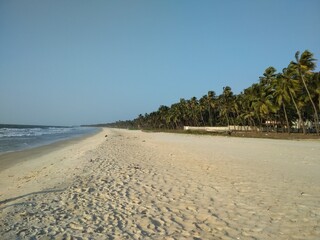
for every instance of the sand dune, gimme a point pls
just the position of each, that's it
(135, 185)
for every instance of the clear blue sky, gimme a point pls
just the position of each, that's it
(79, 62)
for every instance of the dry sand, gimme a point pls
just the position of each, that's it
(135, 185)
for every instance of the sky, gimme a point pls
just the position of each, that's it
(83, 62)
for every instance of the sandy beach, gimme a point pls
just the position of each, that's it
(137, 185)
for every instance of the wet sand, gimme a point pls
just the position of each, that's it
(8, 159)
(136, 185)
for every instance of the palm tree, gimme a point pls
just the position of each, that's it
(139, 121)
(191, 109)
(316, 81)
(293, 88)
(275, 97)
(282, 96)
(304, 64)
(203, 110)
(263, 103)
(238, 106)
(266, 94)
(175, 115)
(267, 78)
(226, 103)
(210, 103)
(249, 97)
(163, 112)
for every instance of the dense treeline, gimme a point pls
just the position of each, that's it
(280, 101)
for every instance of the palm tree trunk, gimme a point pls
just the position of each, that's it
(316, 118)
(210, 116)
(201, 118)
(228, 121)
(260, 122)
(286, 116)
(299, 113)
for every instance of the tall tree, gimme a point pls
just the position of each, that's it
(316, 81)
(304, 64)
(282, 96)
(210, 102)
(249, 113)
(263, 103)
(293, 88)
(226, 102)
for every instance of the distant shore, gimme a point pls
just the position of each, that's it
(126, 184)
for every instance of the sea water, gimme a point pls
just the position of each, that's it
(19, 137)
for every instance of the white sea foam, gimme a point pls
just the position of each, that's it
(32, 132)
(18, 138)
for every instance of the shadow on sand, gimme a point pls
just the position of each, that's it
(26, 195)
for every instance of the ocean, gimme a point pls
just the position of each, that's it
(19, 137)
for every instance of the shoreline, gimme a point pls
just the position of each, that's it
(43, 167)
(138, 185)
(9, 159)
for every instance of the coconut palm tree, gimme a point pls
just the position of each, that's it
(282, 96)
(225, 103)
(238, 106)
(304, 64)
(316, 81)
(176, 115)
(263, 103)
(267, 78)
(209, 101)
(293, 88)
(163, 112)
(249, 97)
(277, 96)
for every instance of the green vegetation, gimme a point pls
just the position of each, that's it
(283, 101)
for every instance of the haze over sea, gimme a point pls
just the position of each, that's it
(20, 137)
